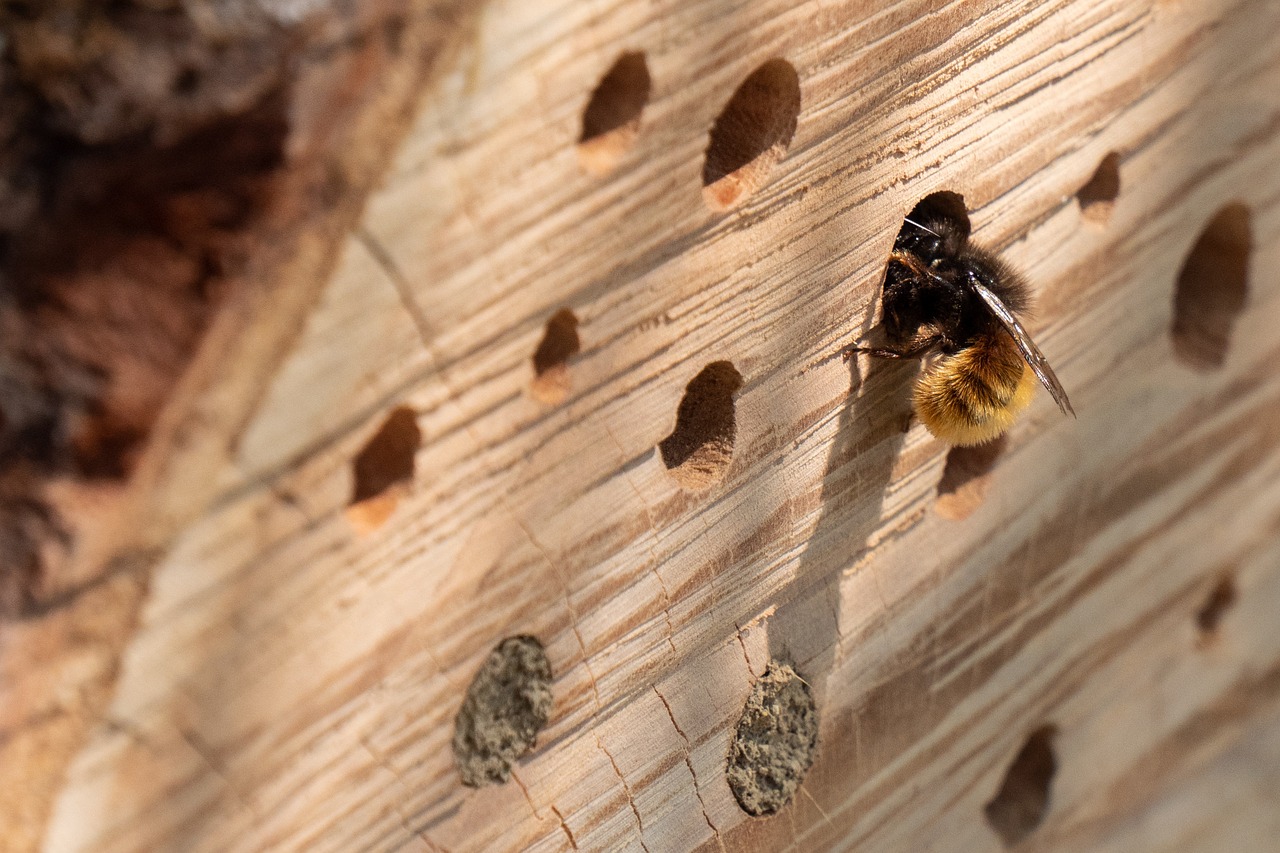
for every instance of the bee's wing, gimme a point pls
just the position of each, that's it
(1038, 363)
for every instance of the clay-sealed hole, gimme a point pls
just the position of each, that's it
(1023, 799)
(383, 470)
(1220, 599)
(611, 121)
(699, 449)
(551, 358)
(751, 134)
(966, 478)
(1211, 289)
(774, 743)
(1098, 197)
(506, 706)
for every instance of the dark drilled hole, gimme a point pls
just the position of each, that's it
(551, 359)
(1097, 198)
(1023, 799)
(774, 742)
(611, 121)
(1212, 289)
(507, 704)
(699, 449)
(943, 205)
(966, 478)
(384, 469)
(1220, 599)
(751, 134)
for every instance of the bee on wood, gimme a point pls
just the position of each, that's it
(956, 305)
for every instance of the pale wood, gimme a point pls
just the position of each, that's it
(293, 680)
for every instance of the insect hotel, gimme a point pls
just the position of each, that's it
(480, 426)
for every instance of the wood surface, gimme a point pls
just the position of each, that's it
(1108, 584)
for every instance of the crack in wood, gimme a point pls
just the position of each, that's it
(626, 788)
(653, 556)
(688, 749)
(564, 826)
(525, 790)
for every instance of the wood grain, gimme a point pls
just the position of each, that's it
(293, 683)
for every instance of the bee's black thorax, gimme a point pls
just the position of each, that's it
(928, 282)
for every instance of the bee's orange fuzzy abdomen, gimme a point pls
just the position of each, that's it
(974, 396)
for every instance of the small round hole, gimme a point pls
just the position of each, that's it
(774, 742)
(751, 134)
(507, 704)
(1023, 799)
(551, 360)
(1211, 289)
(966, 478)
(699, 449)
(1098, 197)
(1220, 599)
(611, 121)
(187, 81)
(383, 470)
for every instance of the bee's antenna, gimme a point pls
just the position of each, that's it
(921, 227)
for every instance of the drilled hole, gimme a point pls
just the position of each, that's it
(966, 478)
(1211, 289)
(1098, 197)
(384, 470)
(774, 742)
(751, 134)
(611, 121)
(1221, 599)
(699, 449)
(1023, 800)
(507, 704)
(551, 358)
(944, 206)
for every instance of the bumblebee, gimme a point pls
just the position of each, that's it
(956, 305)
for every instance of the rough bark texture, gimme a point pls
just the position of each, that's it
(163, 166)
(298, 428)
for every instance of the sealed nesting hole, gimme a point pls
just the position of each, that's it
(1211, 289)
(699, 449)
(774, 743)
(384, 470)
(966, 478)
(551, 359)
(1221, 599)
(506, 706)
(1098, 197)
(611, 121)
(1023, 799)
(751, 134)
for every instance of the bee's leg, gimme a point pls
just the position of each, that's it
(914, 349)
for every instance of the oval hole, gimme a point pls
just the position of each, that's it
(1097, 198)
(699, 449)
(945, 205)
(966, 478)
(551, 360)
(1211, 289)
(1023, 799)
(383, 470)
(611, 121)
(1219, 600)
(751, 134)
